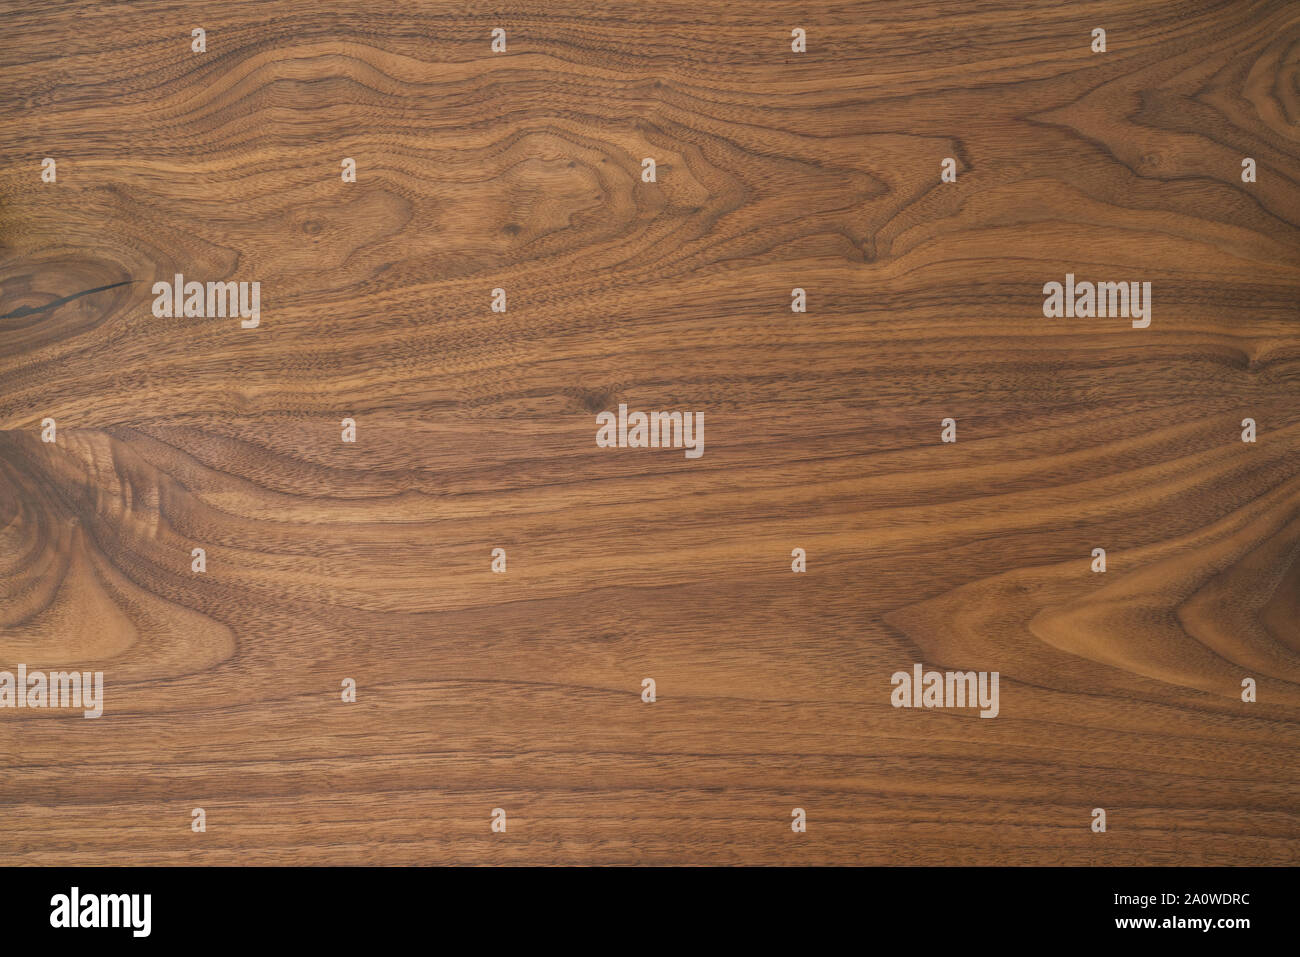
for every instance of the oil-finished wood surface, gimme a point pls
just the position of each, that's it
(476, 430)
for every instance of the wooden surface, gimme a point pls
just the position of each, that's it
(475, 430)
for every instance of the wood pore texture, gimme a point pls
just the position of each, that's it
(476, 430)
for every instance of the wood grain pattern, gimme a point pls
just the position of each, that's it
(476, 430)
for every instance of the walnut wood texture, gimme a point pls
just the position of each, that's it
(476, 430)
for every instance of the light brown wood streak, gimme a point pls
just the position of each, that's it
(476, 430)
